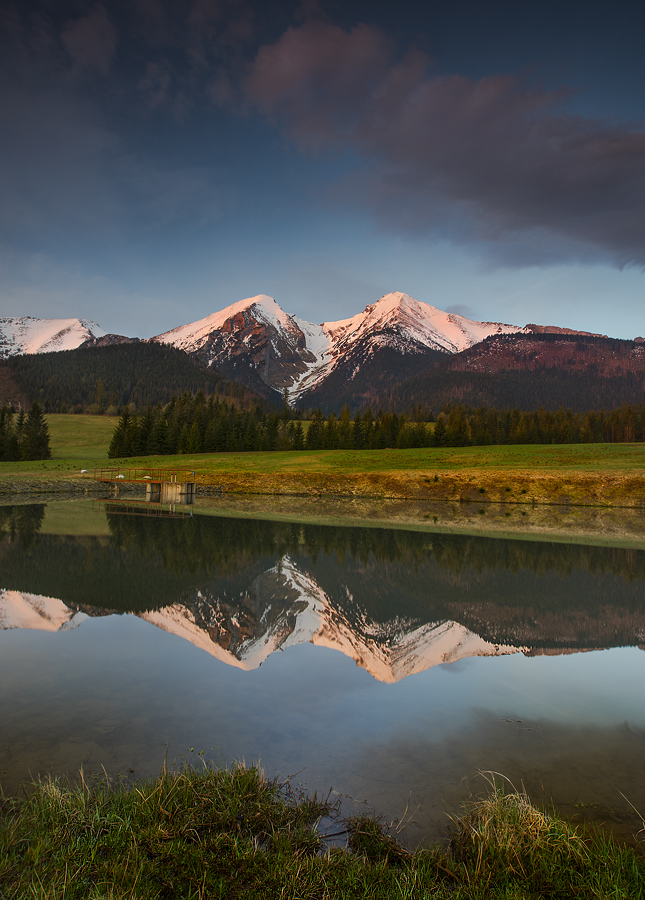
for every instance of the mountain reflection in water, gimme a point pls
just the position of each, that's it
(397, 602)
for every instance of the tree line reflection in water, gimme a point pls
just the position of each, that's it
(545, 596)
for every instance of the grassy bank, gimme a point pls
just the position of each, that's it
(217, 833)
(594, 474)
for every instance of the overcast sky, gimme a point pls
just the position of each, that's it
(160, 160)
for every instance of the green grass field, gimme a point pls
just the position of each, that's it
(623, 458)
(80, 437)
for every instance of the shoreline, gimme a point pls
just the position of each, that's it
(489, 486)
(498, 514)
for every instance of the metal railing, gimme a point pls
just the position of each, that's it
(144, 476)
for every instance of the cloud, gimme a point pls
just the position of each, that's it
(71, 170)
(91, 40)
(192, 51)
(494, 161)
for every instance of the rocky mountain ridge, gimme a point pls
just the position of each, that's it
(397, 334)
(362, 360)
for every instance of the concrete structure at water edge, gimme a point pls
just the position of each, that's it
(162, 485)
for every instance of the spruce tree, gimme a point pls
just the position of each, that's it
(121, 443)
(35, 436)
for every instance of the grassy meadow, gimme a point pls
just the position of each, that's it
(80, 437)
(82, 440)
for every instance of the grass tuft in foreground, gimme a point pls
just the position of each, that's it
(505, 839)
(215, 833)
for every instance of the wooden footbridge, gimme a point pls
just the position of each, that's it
(162, 485)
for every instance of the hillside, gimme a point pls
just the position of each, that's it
(529, 371)
(95, 379)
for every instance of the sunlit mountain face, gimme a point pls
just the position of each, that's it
(27, 334)
(285, 606)
(395, 602)
(256, 336)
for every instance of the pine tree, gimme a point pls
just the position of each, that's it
(314, 432)
(194, 443)
(298, 437)
(35, 436)
(439, 433)
(121, 443)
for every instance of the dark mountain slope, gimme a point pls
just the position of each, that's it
(95, 378)
(530, 371)
(368, 376)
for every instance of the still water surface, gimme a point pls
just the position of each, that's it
(387, 666)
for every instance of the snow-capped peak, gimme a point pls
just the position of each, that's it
(192, 336)
(419, 322)
(30, 335)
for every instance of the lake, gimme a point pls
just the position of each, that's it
(386, 666)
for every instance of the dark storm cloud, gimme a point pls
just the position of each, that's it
(194, 50)
(63, 169)
(92, 94)
(492, 160)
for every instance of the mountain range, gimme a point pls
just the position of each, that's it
(359, 360)
(290, 353)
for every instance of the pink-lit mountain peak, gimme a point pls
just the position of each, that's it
(419, 322)
(287, 352)
(262, 308)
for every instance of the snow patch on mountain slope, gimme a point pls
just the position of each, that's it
(30, 335)
(319, 346)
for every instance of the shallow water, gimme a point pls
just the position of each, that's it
(386, 666)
